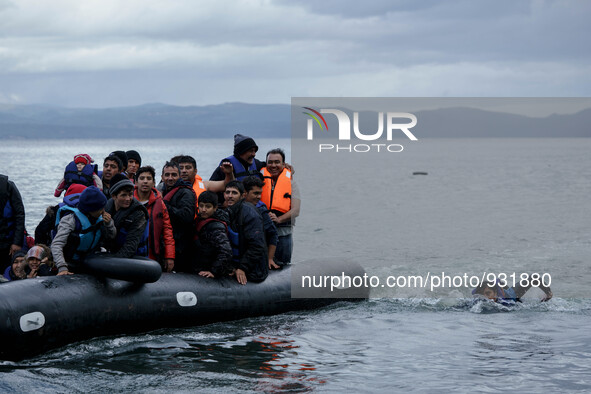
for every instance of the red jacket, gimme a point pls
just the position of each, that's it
(161, 239)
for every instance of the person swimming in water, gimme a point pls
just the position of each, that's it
(506, 294)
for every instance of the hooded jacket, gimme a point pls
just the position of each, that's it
(161, 236)
(180, 201)
(214, 252)
(247, 222)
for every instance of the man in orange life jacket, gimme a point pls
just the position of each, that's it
(282, 197)
(188, 168)
(180, 201)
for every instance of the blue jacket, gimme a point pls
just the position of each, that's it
(240, 171)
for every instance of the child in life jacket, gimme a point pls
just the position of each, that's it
(80, 230)
(80, 171)
(45, 230)
(213, 246)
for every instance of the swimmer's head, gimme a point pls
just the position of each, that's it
(486, 291)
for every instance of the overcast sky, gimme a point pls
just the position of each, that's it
(108, 53)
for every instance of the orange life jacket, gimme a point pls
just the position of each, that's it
(277, 197)
(198, 187)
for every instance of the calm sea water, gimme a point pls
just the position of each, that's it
(486, 205)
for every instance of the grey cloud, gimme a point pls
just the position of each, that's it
(232, 51)
(6, 4)
(432, 31)
(361, 9)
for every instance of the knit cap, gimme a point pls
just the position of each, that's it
(243, 143)
(75, 188)
(121, 155)
(92, 199)
(82, 158)
(18, 254)
(119, 181)
(134, 155)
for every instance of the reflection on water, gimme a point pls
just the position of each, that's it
(379, 345)
(218, 356)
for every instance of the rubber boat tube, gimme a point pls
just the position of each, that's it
(45, 313)
(137, 269)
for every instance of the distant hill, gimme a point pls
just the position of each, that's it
(470, 123)
(262, 120)
(148, 121)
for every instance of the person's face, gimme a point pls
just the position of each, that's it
(132, 166)
(18, 267)
(275, 164)
(490, 293)
(188, 172)
(110, 168)
(206, 210)
(170, 176)
(253, 196)
(80, 166)
(123, 199)
(145, 182)
(34, 263)
(96, 214)
(232, 196)
(249, 155)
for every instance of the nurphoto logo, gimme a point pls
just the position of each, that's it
(391, 119)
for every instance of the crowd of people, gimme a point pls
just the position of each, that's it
(238, 223)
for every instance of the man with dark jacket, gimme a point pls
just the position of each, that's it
(12, 221)
(247, 222)
(253, 189)
(130, 218)
(243, 160)
(180, 202)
